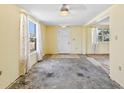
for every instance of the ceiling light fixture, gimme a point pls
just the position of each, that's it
(63, 26)
(64, 11)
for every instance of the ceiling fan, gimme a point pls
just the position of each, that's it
(64, 11)
(65, 8)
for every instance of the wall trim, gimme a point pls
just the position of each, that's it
(14, 82)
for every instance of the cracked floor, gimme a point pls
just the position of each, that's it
(65, 73)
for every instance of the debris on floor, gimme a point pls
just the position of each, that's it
(66, 73)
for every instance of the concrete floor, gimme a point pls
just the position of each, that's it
(65, 73)
(103, 59)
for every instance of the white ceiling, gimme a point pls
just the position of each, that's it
(50, 13)
(104, 21)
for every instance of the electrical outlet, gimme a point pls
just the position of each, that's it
(0, 73)
(120, 68)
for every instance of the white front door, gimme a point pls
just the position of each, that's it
(64, 44)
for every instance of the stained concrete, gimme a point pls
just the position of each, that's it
(59, 73)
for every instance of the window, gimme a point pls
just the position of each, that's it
(103, 35)
(32, 35)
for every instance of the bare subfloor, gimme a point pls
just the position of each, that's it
(65, 73)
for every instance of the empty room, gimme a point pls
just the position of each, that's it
(61, 46)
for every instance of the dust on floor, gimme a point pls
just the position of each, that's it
(65, 73)
(102, 59)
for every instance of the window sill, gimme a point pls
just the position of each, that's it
(103, 42)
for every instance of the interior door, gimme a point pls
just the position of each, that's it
(64, 44)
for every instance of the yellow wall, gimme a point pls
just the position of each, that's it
(102, 48)
(88, 40)
(117, 43)
(43, 35)
(82, 43)
(116, 15)
(9, 44)
(84, 40)
(51, 40)
(77, 32)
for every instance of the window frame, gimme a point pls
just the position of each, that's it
(102, 35)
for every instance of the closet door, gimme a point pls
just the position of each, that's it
(64, 44)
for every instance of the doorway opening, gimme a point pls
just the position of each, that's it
(100, 35)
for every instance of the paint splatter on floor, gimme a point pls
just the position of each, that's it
(68, 73)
